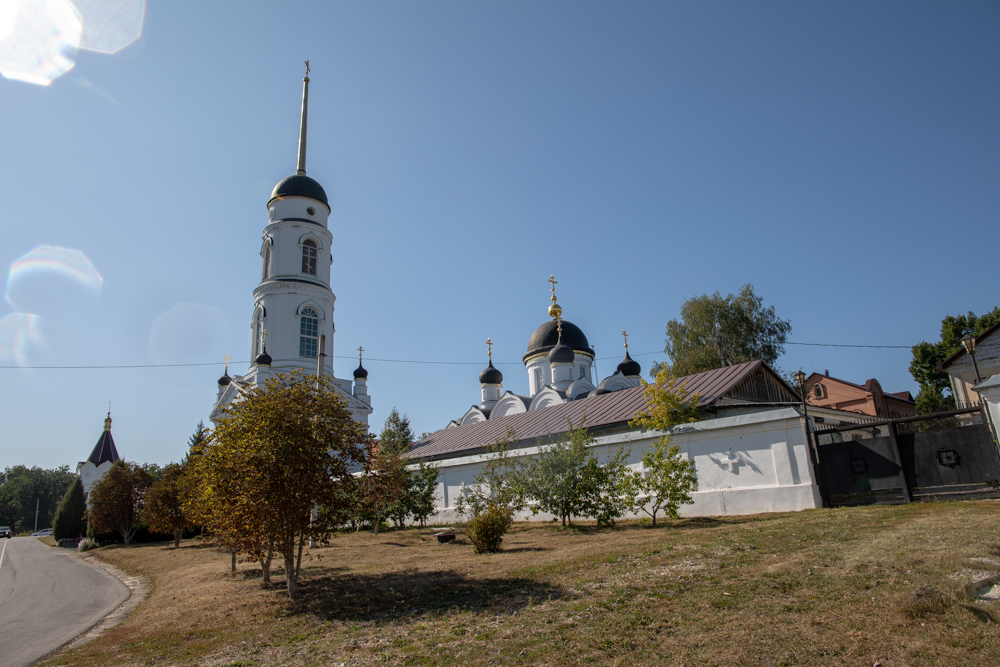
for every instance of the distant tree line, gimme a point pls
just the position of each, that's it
(23, 488)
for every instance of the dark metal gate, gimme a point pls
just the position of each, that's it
(892, 461)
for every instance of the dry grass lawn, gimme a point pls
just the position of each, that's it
(860, 586)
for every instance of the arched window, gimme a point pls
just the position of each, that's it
(309, 257)
(818, 390)
(266, 273)
(308, 332)
(258, 330)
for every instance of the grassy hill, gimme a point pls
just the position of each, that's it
(858, 586)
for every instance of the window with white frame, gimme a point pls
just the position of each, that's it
(308, 333)
(538, 380)
(266, 272)
(258, 330)
(309, 257)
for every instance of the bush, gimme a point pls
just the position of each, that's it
(86, 544)
(486, 529)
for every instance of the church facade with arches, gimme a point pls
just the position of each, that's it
(292, 323)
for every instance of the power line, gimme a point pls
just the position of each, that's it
(390, 361)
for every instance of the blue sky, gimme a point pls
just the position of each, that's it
(843, 158)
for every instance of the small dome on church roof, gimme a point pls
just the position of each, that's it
(491, 375)
(600, 391)
(360, 373)
(225, 379)
(263, 359)
(561, 354)
(545, 337)
(299, 186)
(629, 366)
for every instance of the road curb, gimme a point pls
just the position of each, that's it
(137, 588)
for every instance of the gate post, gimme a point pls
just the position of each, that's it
(899, 461)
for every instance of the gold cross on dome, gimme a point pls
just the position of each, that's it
(554, 282)
(227, 363)
(625, 334)
(263, 337)
(489, 348)
(361, 351)
(559, 326)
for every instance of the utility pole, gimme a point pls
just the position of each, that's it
(37, 502)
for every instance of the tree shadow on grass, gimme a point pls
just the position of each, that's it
(353, 597)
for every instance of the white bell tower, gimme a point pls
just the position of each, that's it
(292, 326)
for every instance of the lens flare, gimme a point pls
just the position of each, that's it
(59, 261)
(110, 25)
(41, 39)
(18, 332)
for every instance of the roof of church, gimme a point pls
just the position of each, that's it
(605, 410)
(104, 450)
(299, 186)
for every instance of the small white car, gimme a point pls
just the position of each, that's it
(44, 532)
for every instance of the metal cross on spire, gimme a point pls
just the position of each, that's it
(300, 169)
(489, 348)
(307, 69)
(263, 338)
(227, 363)
(625, 335)
(554, 282)
(361, 351)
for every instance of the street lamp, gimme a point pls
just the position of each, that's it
(969, 343)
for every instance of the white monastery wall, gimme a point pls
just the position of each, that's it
(771, 470)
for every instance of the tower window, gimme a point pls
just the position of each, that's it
(308, 333)
(583, 372)
(538, 380)
(309, 257)
(258, 329)
(267, 262)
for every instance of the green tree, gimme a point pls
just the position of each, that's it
(740, 323)
(381, 487)
(933, 383)
(422, 492)
(567, 479)
(278, 452)
(71, 515)
(487, 507)
(116, 501)
(24, 489)
(197, 442)
(669, 478)
(397, 435)
(163, 508)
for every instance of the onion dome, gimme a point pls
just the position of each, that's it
(299, 186)
(225, 379)
(600, 391)
(263, 359)
(491, 375)
(360, 373)
(546, 336)
(561, 353)
(629, 366)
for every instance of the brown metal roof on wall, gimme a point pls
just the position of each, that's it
(618, 407)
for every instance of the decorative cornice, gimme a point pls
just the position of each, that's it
(292, 285)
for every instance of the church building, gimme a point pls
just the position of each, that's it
(100, 460)
(292, 323)
(750, 449)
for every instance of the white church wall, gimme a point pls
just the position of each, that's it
(774, 473)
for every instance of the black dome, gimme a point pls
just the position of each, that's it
(263, 359)
(561, 354)
(225, 379)
(545, 337)
(629, 366)
(299, 186)
(360, 373)
(491, 375)
(600, 391)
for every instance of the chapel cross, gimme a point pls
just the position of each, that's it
(625, 334)
(263, 338)
(732, 460)
(227, 362)
(489, 349)
(554, 282)
(361, 351)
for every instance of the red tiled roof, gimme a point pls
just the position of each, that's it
(618, 407)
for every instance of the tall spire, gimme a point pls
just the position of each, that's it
(300, 170)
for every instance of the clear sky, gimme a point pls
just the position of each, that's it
(844, 158)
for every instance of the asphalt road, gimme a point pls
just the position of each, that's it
(48, 596)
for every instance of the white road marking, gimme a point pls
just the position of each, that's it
(3, 552)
